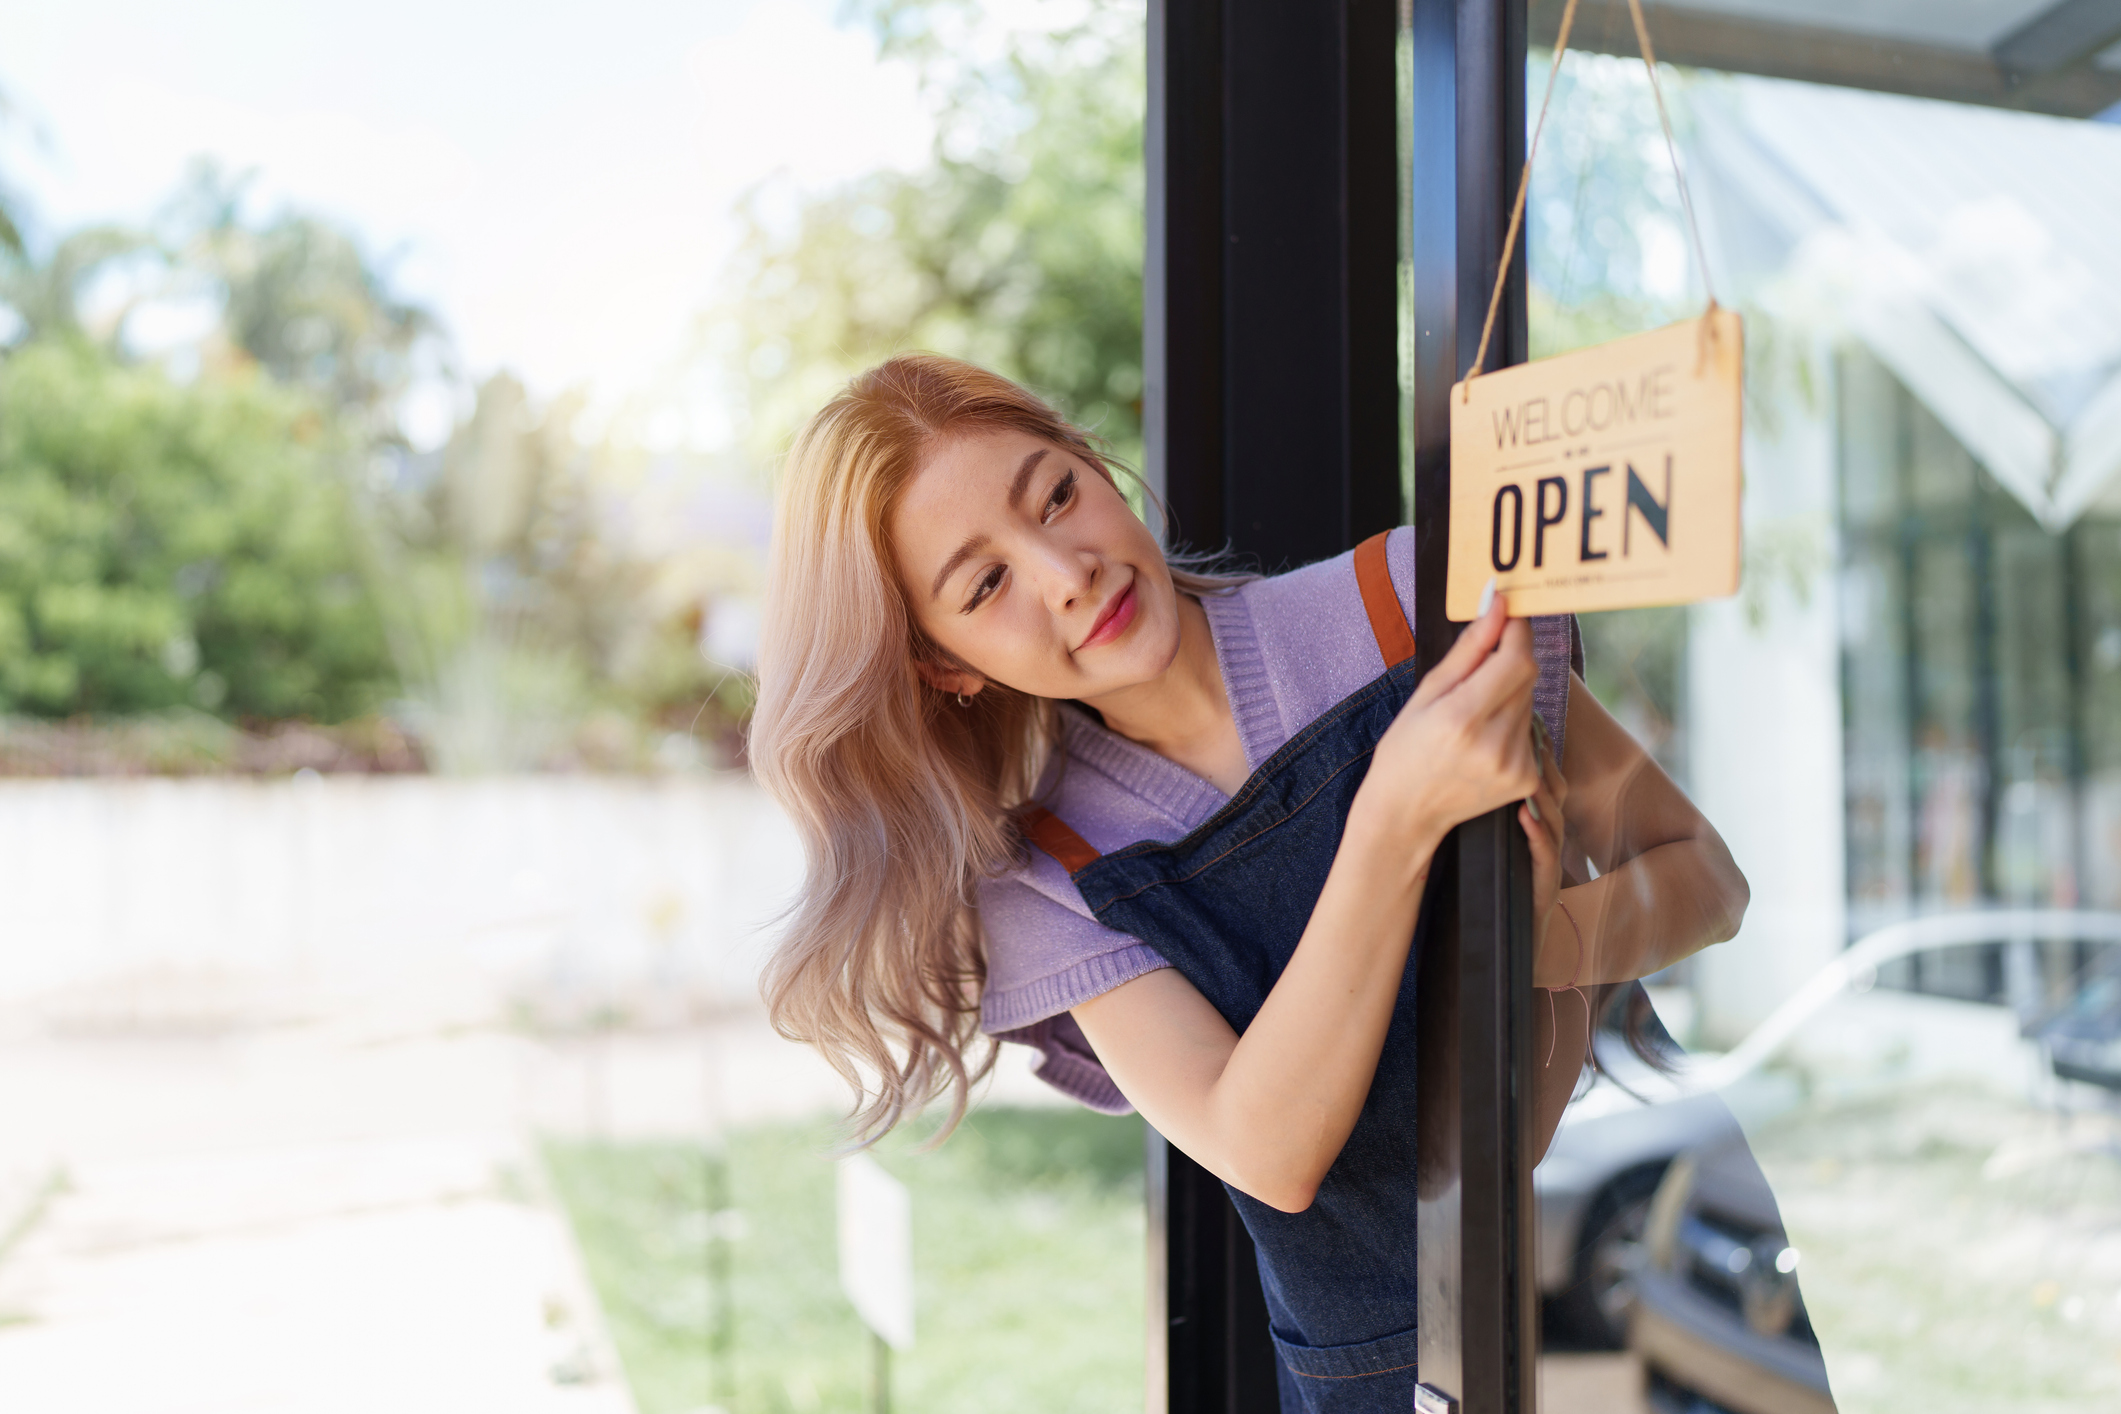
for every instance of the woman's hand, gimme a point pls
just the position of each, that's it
(1268, 1111)
(1462, 745)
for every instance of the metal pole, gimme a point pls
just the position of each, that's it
(1479, 1314)
(879, 1374)
(1271, 417)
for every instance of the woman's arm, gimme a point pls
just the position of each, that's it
(1667, 886)
(1269, 1111)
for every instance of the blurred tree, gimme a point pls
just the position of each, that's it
(291, 293)
(532, 621)
(301, 297)
(168, 545)
(11, 243)
(1604, 235)
(1609, 257)
(198, 540)
(1019, 246)
(48, 296)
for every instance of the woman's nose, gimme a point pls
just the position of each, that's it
(1069, 577)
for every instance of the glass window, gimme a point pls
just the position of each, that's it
(1906, 727)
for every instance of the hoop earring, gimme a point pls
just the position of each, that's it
(963, 701)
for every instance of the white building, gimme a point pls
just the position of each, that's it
(1915, 705)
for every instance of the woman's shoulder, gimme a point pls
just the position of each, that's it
(1294, 644)
(1325, 593)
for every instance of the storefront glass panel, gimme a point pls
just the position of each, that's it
(1907, 728)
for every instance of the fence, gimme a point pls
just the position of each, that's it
(631, 892)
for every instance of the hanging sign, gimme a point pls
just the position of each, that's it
(1609, 478)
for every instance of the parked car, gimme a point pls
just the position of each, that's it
(1594, 1187)
(1716, 1314)
(2083, 1041)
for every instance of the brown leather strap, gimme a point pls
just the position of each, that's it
(1388, 620)
(1051, 833)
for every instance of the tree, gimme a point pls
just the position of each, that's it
(299, 296)
(10, 205)
(168, 545)
(46, 295)
(1019, 247)
(198, 542)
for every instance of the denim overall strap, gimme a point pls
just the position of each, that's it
(1226, 906)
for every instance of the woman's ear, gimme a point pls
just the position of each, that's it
(955, 681)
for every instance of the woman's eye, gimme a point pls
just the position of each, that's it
(1063, 493)
(986, 584)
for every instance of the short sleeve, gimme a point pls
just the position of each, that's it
(1043, 958)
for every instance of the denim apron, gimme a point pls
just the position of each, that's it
(1226, 906)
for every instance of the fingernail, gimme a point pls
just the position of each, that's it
(1533, 806)
(1487, 598)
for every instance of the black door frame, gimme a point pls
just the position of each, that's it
(1479, 1289)
(1272, 419)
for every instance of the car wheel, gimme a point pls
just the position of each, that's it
(1593, 1308)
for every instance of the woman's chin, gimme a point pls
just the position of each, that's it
(1137, 660)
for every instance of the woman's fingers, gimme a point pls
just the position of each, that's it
(1500, 686)
(1470, 652)
(1546, 810)
(1557, 785)
(1545, 848)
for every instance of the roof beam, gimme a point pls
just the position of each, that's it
(2078, 88)
(2059, 35)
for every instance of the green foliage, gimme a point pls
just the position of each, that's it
(164, 545)
(10, 204)
(1019, 247)
(45, 295)
(524, 613)
(299, 296)
(1604, 212)
(1027, 1252)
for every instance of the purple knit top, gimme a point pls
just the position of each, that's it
(1289, 648)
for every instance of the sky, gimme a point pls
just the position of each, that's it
(556, 180)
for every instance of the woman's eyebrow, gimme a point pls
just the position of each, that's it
(1023, 476)
(972, 546)
(977, 543)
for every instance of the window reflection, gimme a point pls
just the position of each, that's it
(1907, 725)
(1980, 663)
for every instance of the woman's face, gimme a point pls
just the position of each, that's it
(1020, 560)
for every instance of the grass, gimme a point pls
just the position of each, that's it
(1028, 1268)
(1939, 1280)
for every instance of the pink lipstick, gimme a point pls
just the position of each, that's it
(1113, 621)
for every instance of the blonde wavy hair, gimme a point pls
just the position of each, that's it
(903, 799)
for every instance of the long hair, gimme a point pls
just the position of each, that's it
(902, 797)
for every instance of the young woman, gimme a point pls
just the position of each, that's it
(1171, 830)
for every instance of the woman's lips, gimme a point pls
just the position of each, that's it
(1113, 622)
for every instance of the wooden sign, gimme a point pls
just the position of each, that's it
(1609, 478)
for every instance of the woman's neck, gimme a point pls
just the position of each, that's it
(1183, 714)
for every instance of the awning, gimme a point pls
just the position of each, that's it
(1971, 250)
(2042, 56)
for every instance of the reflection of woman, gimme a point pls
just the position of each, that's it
(1171, 830)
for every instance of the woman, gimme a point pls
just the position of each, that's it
(1172, 830)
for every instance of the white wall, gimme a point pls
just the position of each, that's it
(1764, 724)
(347, 879)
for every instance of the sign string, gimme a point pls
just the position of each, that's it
(1524, 179)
